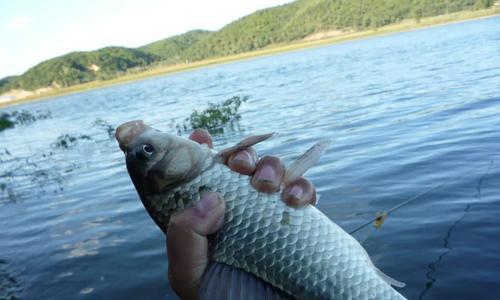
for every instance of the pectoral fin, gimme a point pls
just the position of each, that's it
(303, 163)
(247, 142)
(390, 280)
(221, 281)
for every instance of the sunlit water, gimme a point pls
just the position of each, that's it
(404, 112)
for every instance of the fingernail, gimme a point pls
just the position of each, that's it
(266, 173)
(202, 136)
(243, 156)
(296, 191)
(242, 162)
(208, 202)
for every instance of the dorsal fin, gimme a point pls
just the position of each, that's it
(304, 162)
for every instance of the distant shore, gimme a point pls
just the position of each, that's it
(315, 40)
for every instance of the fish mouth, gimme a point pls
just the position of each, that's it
(128, 132)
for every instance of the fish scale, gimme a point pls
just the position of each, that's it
(299, 251)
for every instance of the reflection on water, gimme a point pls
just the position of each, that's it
(405, 113)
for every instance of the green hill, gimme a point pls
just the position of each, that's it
(277, 25)
(301, 18)
(7, 81)
(79, 67)
(171, 48)
(106, 63)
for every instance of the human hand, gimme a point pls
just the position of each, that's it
(187, 242)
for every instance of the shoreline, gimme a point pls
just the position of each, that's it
(407, 25)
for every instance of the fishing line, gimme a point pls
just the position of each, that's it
(381, 217)
(433, 265)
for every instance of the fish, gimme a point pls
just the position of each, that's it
(264, 249)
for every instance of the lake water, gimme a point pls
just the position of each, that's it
(405, 113)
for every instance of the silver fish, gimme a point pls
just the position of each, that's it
(299, 252)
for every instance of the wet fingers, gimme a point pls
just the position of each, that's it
(187, 243)
(299, 193)
(243, 161)
(268, 175)
(202, 136)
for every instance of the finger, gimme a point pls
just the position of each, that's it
(299, 193)
(243, 161)
(268, 174)
(187, 243)
(202, 136)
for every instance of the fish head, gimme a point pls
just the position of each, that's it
(158, 161)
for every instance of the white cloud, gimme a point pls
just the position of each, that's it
(20, 22)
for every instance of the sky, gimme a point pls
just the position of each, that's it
(32, 31)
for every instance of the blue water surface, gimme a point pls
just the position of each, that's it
(405, 113)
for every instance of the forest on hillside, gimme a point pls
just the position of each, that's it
(277, 25)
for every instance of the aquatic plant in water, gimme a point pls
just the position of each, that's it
(103, 124)
(5, 122)
(26, 176)
(9, 120)
(215, 118)
(67, 141)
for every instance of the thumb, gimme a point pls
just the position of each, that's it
(187, 243)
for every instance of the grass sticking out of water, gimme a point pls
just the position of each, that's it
(216, 118)
(66, 141)
(9, 120)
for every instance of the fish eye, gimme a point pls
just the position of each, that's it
(148, 149)
(145, 152)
